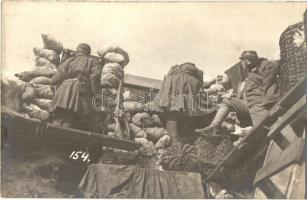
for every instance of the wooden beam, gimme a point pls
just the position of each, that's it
(90, 137)
(291, 154)
(297, 108)
(293, 95)
(270, 190)
(142, 82)
(281, 141)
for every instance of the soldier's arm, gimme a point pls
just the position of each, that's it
(270, 71)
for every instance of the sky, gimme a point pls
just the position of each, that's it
(156, 35)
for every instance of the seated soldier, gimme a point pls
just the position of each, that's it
(257, 91)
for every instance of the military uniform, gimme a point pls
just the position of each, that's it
(76, 81)
(260, 93)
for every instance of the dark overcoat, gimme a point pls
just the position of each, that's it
(180, 90)
(76, 81)
(261, 89)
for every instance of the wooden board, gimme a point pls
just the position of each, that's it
(36, 128)
(298, 108)
(91, 137)
(291, 154)
(142, 82)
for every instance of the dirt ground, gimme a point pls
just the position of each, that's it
(32, 167)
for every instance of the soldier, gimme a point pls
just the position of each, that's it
(256, 94)
(76, 81)
(178, 98)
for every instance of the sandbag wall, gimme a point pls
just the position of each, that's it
(37, 93)
(145, 128)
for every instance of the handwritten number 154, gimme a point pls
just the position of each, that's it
(79, 154)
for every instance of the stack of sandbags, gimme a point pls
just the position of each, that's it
(147, 128)
(11, 91)
(38, 94)
(37, 98)
(46, 59)
(115, 59)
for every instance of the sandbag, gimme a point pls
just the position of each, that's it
(111, 134)
(141, 140)
(50, 55)
(43, 91)
(156, 120)
(139, 118)
(163, 142)
(41, 80)
(215, 88)
(113, 68)
(38, 71)
(29, 94)
(127, 96)
(51, 43)
(11, 91)
(41, 62)
(112, 57)
(34, 111)
(132, 106)
(114, 49)
(43, 103)
(109, 80)
(148, 148)
(110, 123)
(154, 134)
(137, 131)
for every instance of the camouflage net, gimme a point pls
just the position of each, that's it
(202, 155)
(293, 56)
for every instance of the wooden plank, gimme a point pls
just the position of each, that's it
(258, 133)
(35, 128)
(90, 137)
(297, 108)
(281, 141)
(293, 95)
(291, 154)
(289, 133)
(142, 82)
(297, 187)
(270, 190)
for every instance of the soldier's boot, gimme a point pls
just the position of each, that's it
(214, 127)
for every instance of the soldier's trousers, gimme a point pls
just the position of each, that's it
(246, 116)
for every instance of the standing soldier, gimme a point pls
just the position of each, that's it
(257, 94)
(76, 81)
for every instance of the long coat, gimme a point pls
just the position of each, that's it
(261, 89)
(261, 85)
(180, 89)
(76, 80)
